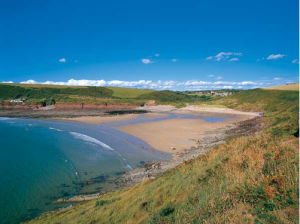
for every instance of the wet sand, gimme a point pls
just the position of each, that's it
(110, 119)
(175, 135)
(192, 108)
(101, 119)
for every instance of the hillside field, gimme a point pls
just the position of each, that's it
(290, 87)
(35, 93)
(129, 93)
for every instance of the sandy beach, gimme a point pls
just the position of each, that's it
(193, 108)
(175, 135)
(115, 118)
(101, 119)
(171, 135)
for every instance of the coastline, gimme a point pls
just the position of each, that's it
(213, 138)
(197, 135)
(204, 139)
(154, 169)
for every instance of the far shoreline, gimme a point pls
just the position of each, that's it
(163, 135)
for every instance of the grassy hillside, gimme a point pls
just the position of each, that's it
(280, 107)
(98, 95)
(171, 97)
(126, 93)
(291, 87)
(34, 93)
(250, 179)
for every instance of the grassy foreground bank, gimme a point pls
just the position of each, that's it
(252, 179)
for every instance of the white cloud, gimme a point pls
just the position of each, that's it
(30, 81)
(7, 82)
(296, 61)
(219, 78)
(278, 78)
(146, 61)
(159, 85)
(225, 56)
(62, 60)
(210, 76)
(275, 56)
(174, 60)
(234, 59)
(157, 55)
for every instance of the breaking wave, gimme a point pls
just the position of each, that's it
(56, 129)
(90, 139)
(128, 167)
(6, 118)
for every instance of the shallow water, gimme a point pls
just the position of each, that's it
(44, 160)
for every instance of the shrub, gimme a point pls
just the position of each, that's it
(167, 210)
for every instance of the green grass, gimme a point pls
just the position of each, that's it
(35, 93)
(280, 108)
(252, 179)
(171, 97)
(126, 93)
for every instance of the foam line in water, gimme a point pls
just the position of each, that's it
(5, 118)
(56, 129)
(90, 139)
(129, 167)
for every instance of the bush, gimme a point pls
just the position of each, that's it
(167, 210)
(101, 203)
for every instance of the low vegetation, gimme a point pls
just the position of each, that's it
(33, 93)
(290, 87)
(170, 97)
(280, 108)
(93, 95)
(126, 93)
(251, 179)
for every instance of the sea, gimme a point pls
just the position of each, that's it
(43, 160)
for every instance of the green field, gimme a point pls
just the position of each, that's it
(126, 93)
(251, 179)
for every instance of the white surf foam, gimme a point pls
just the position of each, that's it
(129, 167)
(56, 129)
(6, 118)
(90, 139)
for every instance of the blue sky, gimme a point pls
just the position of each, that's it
(166, 44)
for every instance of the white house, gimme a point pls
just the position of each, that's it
(18, 101)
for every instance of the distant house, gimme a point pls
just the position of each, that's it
(151, 103)
(17, 100)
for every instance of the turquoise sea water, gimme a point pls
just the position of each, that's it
(44, 160)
